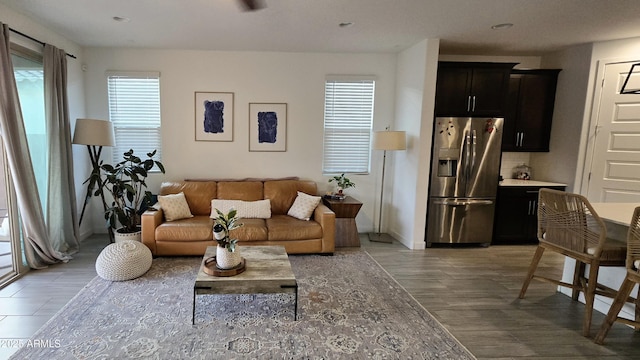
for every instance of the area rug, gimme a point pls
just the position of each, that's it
(348, 308)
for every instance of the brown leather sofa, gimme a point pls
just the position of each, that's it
(192, 236)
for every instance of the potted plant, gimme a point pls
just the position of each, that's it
(227, 253)
(126, 182)
(342, 182)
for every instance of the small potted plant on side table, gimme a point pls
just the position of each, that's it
(342, 183)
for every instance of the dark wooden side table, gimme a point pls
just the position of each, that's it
(346, 211)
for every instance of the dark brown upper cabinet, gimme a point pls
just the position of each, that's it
(472, 88)
(527, 123)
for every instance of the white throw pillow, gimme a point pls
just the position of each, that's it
(260, 209)
(303, 206)
(175, 206)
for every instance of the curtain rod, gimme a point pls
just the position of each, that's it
(38, 41)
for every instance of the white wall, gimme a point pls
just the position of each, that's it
(293, 78)
(75, 89)
(415, 98)
(560, 164)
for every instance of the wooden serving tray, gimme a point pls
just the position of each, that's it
(211, 268)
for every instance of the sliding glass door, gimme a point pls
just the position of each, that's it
(10, 254)
(29, 75)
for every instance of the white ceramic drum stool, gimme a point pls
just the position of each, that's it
(123, 260)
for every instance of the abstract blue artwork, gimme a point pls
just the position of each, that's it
(267, 127)
(213, 116)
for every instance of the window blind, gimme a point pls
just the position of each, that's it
(134, 110)
(348, 118)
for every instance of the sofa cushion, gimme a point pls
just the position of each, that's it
(197, 228)
(283, 193)
(260, 209)
(284, 227)
(251, 230)
(240, 190)
(303, 206)
(197, 193)
(175, 206)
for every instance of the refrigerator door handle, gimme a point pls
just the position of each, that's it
(467, 160)
(465, 202)
(474, 142)
(468, 103)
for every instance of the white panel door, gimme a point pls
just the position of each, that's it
(615, 166)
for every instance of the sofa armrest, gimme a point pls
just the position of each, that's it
(327, 220)
(149, 221)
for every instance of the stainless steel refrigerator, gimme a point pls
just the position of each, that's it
(465, 168)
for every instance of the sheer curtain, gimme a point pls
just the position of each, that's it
(62, 214)
(38, 249)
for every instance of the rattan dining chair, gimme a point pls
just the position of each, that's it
(567, 224)
(631, 279)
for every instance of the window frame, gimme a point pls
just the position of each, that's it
(352, 123)
(130, 123)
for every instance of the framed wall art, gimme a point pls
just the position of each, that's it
(267, 127)
(214, 116)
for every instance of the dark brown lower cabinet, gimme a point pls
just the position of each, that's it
(516, 216)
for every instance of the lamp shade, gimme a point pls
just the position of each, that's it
(93, 132)
(389, 140)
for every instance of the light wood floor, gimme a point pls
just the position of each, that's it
(472, 291)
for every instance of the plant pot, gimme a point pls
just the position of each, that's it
(119, 236)
(227, 260)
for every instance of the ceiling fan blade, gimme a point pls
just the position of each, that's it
(252, 5)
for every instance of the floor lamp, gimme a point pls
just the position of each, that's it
(95, 134)
(386, 140)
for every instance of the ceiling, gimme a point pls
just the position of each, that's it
(463, 26)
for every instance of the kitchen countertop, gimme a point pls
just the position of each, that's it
(515, 182)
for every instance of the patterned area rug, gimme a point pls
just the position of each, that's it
(349, 307)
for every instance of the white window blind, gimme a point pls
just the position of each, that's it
(134, 110)
(348, 118)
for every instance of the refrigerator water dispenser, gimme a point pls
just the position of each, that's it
(448, 162)
(447, 168)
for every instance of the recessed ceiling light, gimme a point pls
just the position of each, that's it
(121, 19)
(502, 26)
(346, 24)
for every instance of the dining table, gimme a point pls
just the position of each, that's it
(617, 217)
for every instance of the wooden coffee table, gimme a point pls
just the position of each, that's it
(268, 271)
